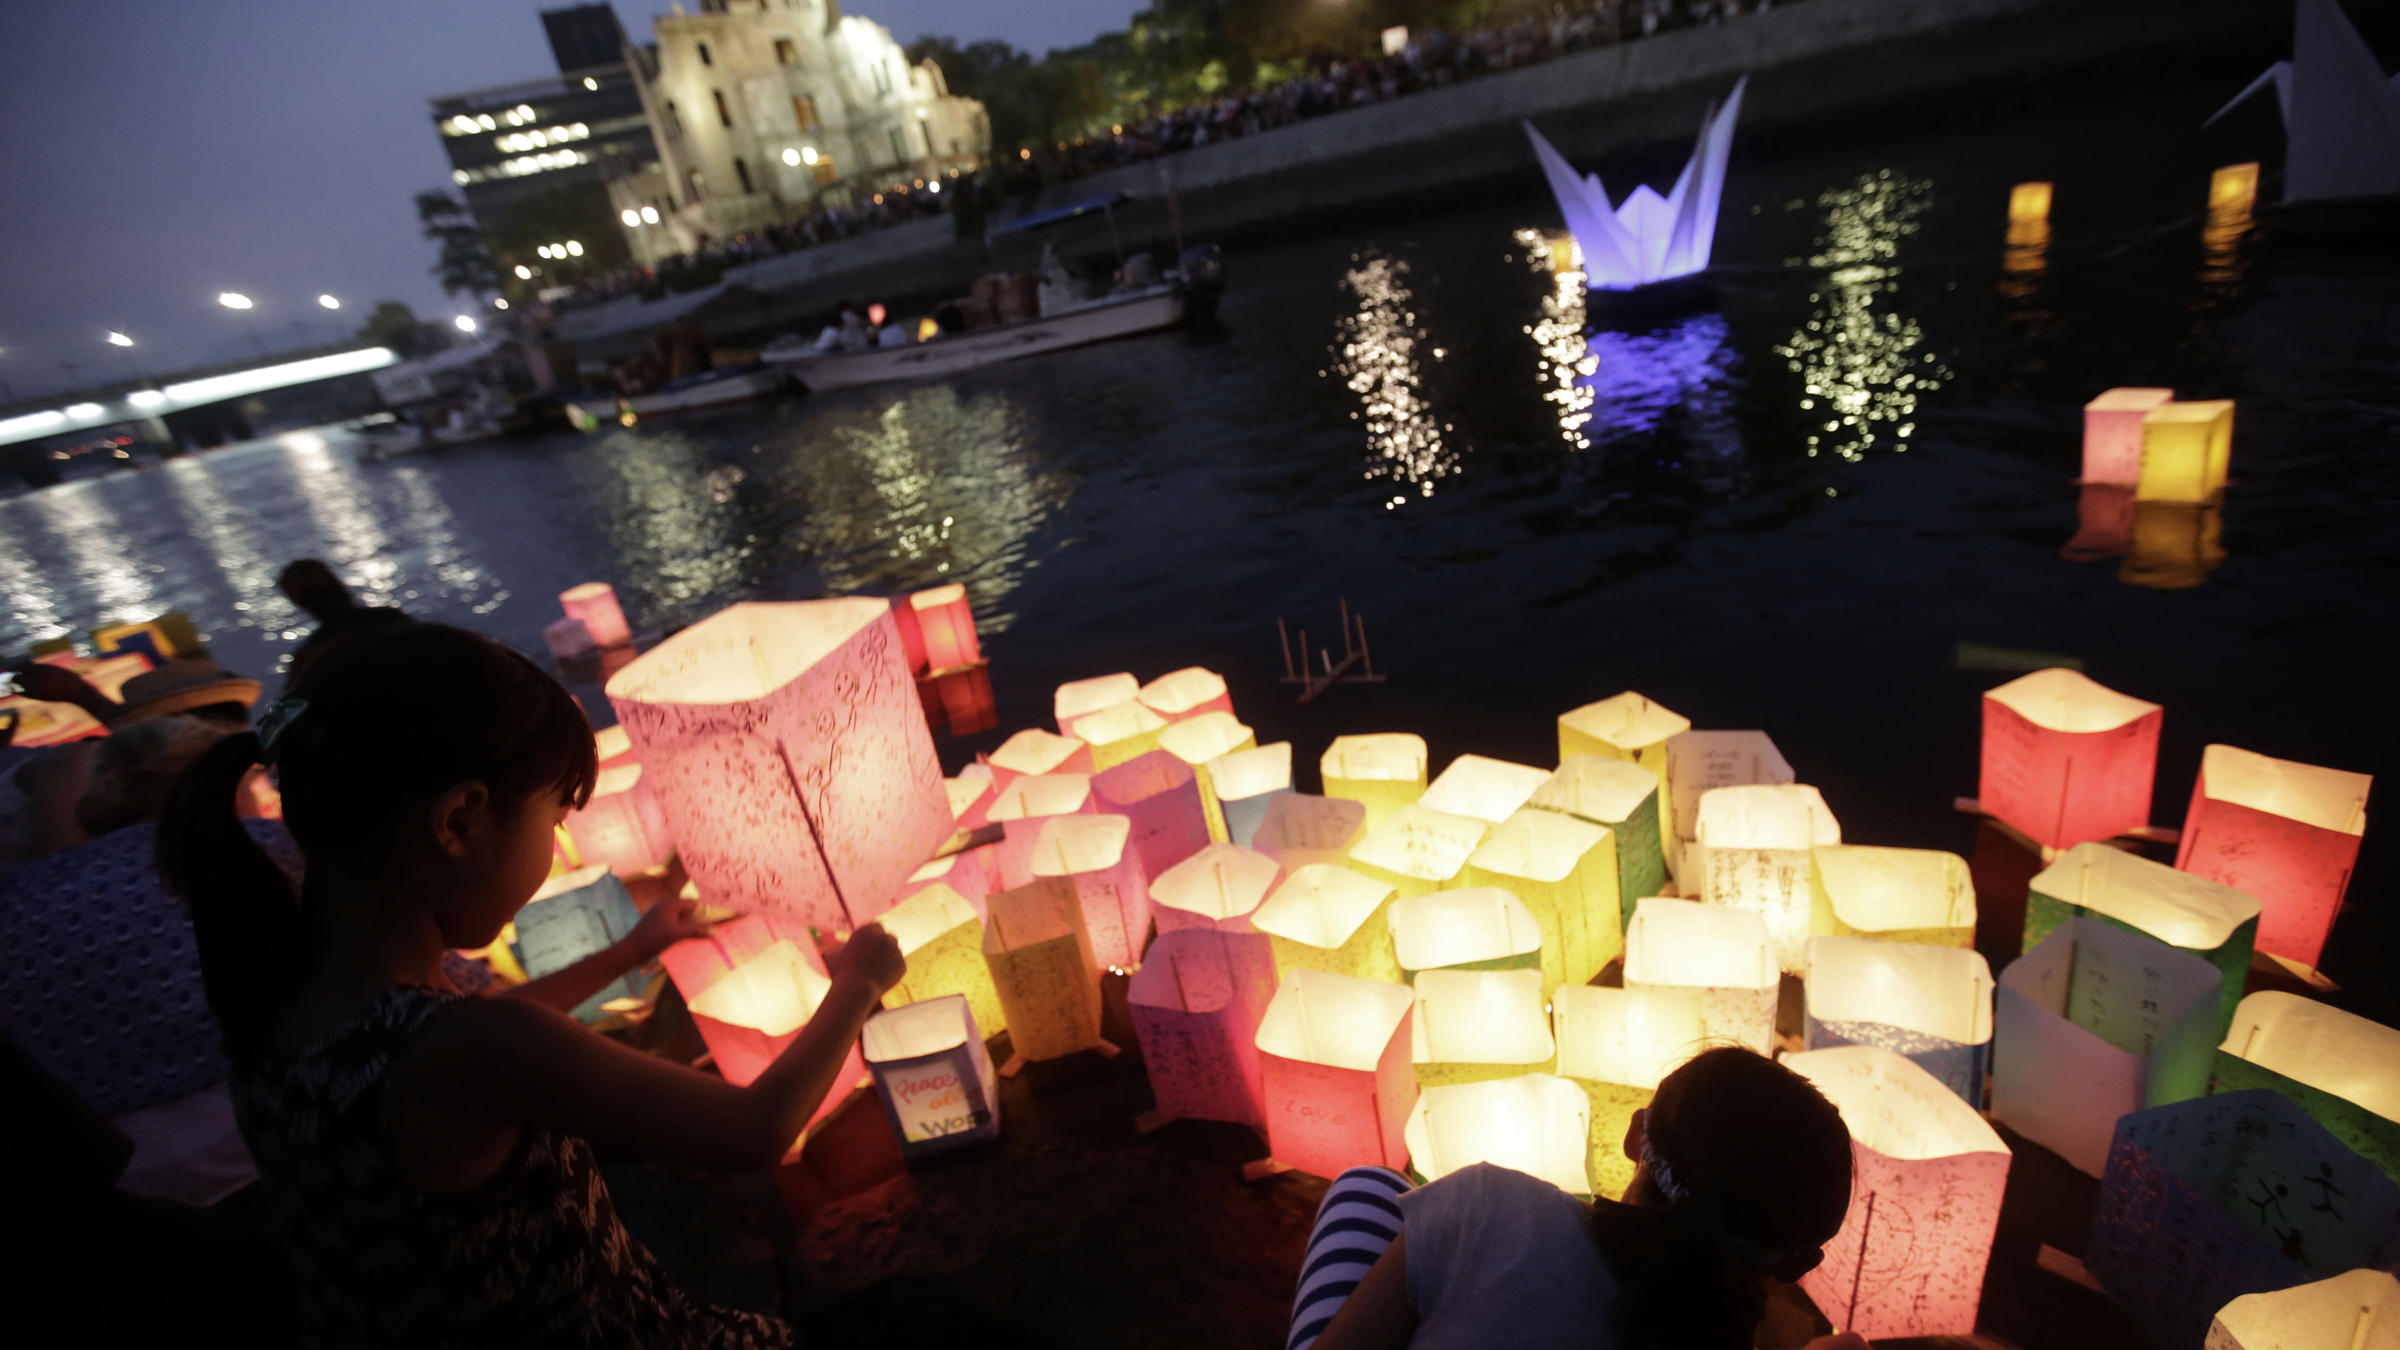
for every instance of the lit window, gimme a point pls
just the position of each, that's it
(649, 215)
(486, 122)
(631, 217)
(791, 156)
(590, 83)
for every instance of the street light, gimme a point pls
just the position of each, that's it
(116, 339)
(524, 273)
(329, 302)
(233, 300)
(238, 301)
(465, 324)
(574, 248)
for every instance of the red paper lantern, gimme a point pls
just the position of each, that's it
(2067, 761)
(1335, 1072)
(595, 602)
(751, 987)
(2284, 833)
(946, 625)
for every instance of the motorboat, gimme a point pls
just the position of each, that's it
(709, 389)
(1112, 316)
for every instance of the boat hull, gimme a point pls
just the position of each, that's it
(1161, 308)
(710, 393)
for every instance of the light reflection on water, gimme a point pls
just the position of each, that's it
(1376, 356)
(1863, 364)
(1557, 335)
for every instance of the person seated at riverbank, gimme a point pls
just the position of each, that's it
(1744, 1176)
(429, 1148)
(325, 597)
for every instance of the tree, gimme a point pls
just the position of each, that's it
(579, 211)
(391, 324)
(465, 261)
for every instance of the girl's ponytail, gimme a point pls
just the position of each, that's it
(253, 951)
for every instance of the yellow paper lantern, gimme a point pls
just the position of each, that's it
(1623, 797)
(1417, 850)
(1931, 1004)
(1334, 1060)
(1092, 854)
(1184, 694)
(1565, 870)
(2283, 831)
(2233, 188)
(1329, 918)
(1382, 772)
(2186, 451)
(1081, 698)
(1117, 734)
(1245, 783)
(1299, 829)
(942, 937)
(1033, 751)
(1474, 928)
(1042, 965)
(2028, 202)
(1197, 741)
(1473, 1025)
(1616, 1044)
(1698, 761)
(1915, 895)
(1533, 1123)
(1627, 726)
(2339, 1067)
(1489, 790)
(2356, 1310)
(2112, 434)
(1722, 955)
(1218, 887)
(1024, 806)
(1752, 850)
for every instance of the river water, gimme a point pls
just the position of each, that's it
(1786, 509)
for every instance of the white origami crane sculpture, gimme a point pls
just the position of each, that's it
(1649, 238)
(2341, 115)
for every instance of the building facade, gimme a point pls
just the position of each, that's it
(771, 110)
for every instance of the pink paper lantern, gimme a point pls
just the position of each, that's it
(973, 873)
(2112, 433)
(946, 625)
(1024, 806)
(1335, 1072)
(621, 827)
(751, 987)
(1216, 888)
(1160, 795)
(1187, 693)
(1201, 741)
(1091, 853)
(1082, 698)
(785, 746)
(2067, 761)
(2282, 832)
(971, 795)
(1197, 1004)
(595, 602)
(1034, 750)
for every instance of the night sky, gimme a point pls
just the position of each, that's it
(161, 151)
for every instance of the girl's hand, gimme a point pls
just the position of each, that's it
(670, 921)
(872, 955)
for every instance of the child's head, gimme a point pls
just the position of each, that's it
(1755, 1147)
(312, 586)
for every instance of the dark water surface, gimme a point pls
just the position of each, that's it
(1785, 510)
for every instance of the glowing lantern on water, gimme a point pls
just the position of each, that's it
(1628, 727)
(1932, 1005)
(2028, 202)
(1329, 918)
(1246, 783)
(1219, 887)
(2233, 1194)
(1024, 806)
(1159, 796)
(1914, 895)
(1187, 693)
(1532, 1123)
(1119, 733)
(942, 937)
(621, 827)
(2340, 1068)
(1565, 870)
(1622, 796)
(1924, 1203)
(2284, 832)
(1476, 928)
(1616, 1044)
(595, 602)
(1082, 698)
(1752, 849)
(1334, 1071)
(2356, 1310)
(751, 986)
(1382, 772)
(2186, 451)
(1489, 790)
(2096, 1022)
(1473, 1025)
(932, 1075)
(946, 624)
(1299, 829)
(2233, 189)
(2112, 434)
(1698, 761)
(786, 746)
(1091, 853)
(1033, 751)
(2067, 761)
(1197, 1004)
(574, 916)
(1722, 955)
(2215, 923)
(1417, 850)
(1042, 965)
(1198, 741)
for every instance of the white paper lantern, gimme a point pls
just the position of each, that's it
(1721, 954)
(1913, 895)
(1246, 783)
(1329, 918)
(1382, 772)
(1751, 849)
(1082, 698)
(1418, 850)
(1533, 1123)
(1477, 1024)
(1489, 790)
(1616, 1044)
(1474, 928)
(1698, 761)
(2358, 1310)
(1932, 1005)
(1218, 887)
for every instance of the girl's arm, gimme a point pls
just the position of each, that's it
(1377, 1315)
(662, 926)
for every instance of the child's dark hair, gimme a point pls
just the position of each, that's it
(1761, 1174)
(385, 722)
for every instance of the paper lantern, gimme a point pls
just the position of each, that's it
(1533, 1123)
(621, 827)
(1932, 1005)
(1197, 1004)
(942, 937)
(1245, 783)
(2186, 450)
(2216, 923)
(2284, 832)
(1751, 848)
(1722, 955)
(2234, 1194)
(568, 640)
(1616, 1044)
(613, 747)
(1043, 967)
(2065, 760)
(1334, 1070)
(1159, 795)
(2096, 1022)
(1914, 895)
(1382, 772)
(1627, 726)
(750, 987)
(1119, 733)
(2340, 1068)
(971, 874)
(1081, 698)
(1329, 918)
(932, 1075)
(1475, 928)
(1565, 870)
(1198, 741)
(1928, 1174)
(960, 699)
(1299, 829)
(2233, 189)
(1187, 693)
(595, 603)
(2112, 434)
(1217, 887)
(1033, 751)
(2028, 202)
(786, 747)
(1698, 761)
(2356, 1310)
(1473, 1025)
(1024, 806)
(946, 625)
(1622, 796)
(1091, 853)
(574, 916)
(1489, 790)
(971, 794)
(1417, 850)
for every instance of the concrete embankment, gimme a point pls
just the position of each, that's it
(1815, 65)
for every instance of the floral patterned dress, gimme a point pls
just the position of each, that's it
(534, 1256)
